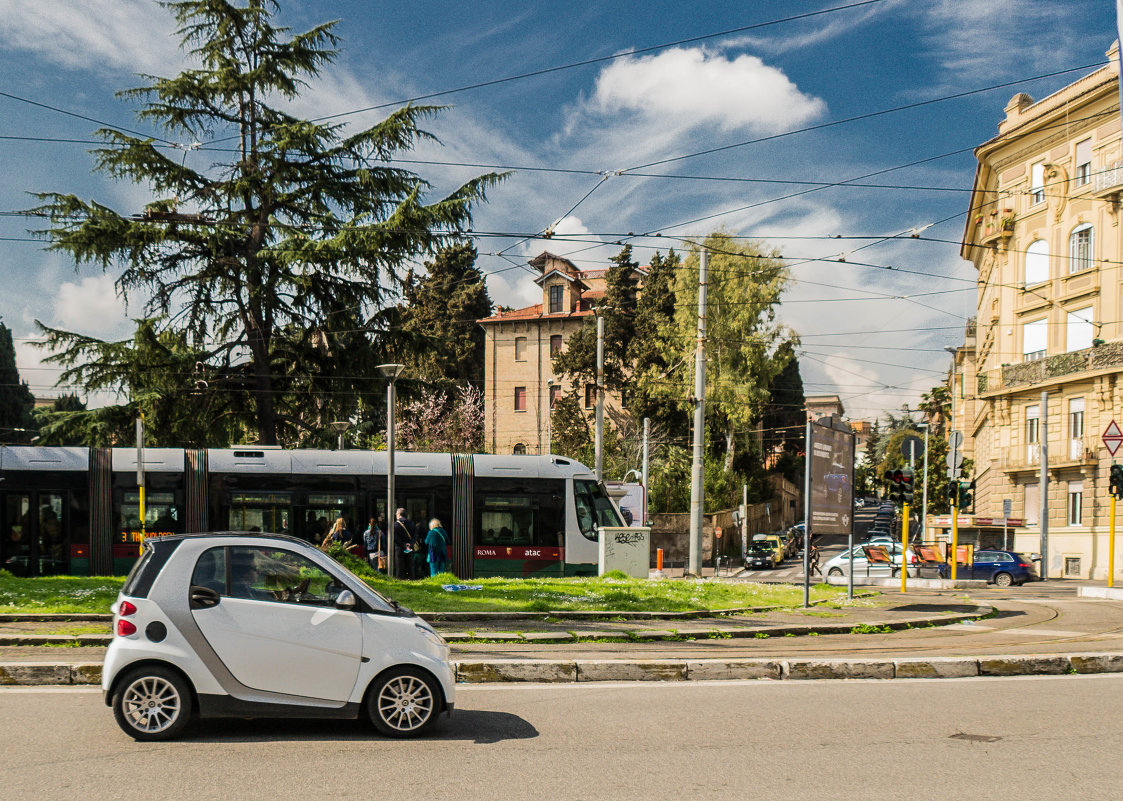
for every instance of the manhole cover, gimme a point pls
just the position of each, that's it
(975, 738)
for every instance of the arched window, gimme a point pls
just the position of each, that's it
(520, 450)
(1037, 262)
(1080, 246)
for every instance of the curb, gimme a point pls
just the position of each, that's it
(28, 674)
(563, 637)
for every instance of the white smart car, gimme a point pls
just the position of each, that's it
(262, 625)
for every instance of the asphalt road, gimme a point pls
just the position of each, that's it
(1036, 737)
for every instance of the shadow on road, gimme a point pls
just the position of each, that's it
(479, 726)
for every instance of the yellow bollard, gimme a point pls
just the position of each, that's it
(904, 547)
(1111, 546)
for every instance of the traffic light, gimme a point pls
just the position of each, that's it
(953, 494)
(965, 490)
(906, 485)
(1116, 482)
(896, 487)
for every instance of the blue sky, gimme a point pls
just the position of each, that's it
(872, 336)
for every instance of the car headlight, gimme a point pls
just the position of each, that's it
(432, 636)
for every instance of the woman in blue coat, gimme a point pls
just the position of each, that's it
(437, 543)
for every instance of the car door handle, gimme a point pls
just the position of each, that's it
(203, 597)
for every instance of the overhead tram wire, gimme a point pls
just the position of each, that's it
(102, 123)
(590, 61)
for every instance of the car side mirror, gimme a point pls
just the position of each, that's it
(346, 600)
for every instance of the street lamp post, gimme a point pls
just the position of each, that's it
(390, 372)
(340, 426)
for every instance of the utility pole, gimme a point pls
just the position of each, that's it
(644, 466)
(924, 500)
(1043, 484)
(599, 437)
(697, 489)
(549, 413)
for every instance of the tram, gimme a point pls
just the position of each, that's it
(76, 511)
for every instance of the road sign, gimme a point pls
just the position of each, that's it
(1112, 438)
(912, 447)
(1007, 508)
(955, 439)
(954, 460)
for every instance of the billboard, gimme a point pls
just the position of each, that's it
(832, 479)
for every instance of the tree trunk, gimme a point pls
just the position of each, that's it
(729, 445)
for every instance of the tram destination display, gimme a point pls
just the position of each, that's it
(832, 479)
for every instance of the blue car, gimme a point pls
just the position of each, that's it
(1001, 568)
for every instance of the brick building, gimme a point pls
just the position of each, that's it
(520, 387)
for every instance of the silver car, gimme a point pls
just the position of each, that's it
(855, 559)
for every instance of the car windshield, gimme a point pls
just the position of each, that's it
(760, 547)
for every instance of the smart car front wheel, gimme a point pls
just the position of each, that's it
(403, 702)
(152, 703)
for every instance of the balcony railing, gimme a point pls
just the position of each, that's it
(1038, 371)
(1067, 452)
(1110, 180)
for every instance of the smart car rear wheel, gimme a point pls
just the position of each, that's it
(1003, 580)
(834, 572)
(152, 703)
(403, 702)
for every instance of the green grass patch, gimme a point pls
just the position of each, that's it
(58, 594)
(615, 592)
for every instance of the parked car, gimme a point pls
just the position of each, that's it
(761, 554)
(778, 542)
(855, 559)
(1001, 568)
(252, 625)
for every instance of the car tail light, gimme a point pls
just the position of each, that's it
(1024, 564)
(126, 609)
(125, 628)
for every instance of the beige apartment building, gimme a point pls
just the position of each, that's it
(520, 388)
(1044, 235)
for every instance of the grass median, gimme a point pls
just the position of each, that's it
(610, 593)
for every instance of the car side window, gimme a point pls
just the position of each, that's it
(1004, 557)
(210, 570)
(271, 574)
(984, 556)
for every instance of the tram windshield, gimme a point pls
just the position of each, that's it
(593, 507)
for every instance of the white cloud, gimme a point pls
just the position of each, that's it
(697, 87)
(91, 307)
(128, 35)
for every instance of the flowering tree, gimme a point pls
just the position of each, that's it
(443, 422)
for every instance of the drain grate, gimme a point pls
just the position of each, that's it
(975, 738)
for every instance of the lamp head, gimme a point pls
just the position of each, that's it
(391, 371)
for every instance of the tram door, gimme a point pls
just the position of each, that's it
(33, 542)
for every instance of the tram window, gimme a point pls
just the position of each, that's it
(161, 516)
(508, 521)
(322, 511)
(593, 508)
(260, 511)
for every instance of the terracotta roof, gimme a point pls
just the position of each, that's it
(529, 313)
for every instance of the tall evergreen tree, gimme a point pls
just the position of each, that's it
(283, 252)
(652, 347)
(441, 341)
(16, 400)
(783, 421)
(578, 360)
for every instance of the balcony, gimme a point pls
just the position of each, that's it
(1109, 182)
(1039, 371)
(1071, 452)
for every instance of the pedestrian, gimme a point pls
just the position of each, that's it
(813, 560)
(338, 535)
(436, 542)
(372, 541)
(404, 534)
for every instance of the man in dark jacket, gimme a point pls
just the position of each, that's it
(404, 534)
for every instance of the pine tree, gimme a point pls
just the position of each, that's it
(440, 341)
(271, 263)
(16, 400)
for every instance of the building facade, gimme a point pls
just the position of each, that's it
(520, 388)
(1041, 366)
